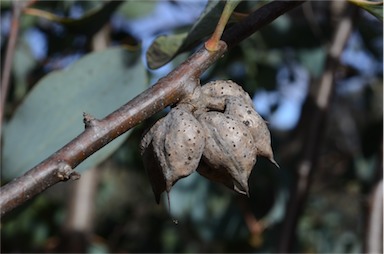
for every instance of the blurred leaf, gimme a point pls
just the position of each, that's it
(166, 47)
(373, 7)
(137, 9)
(365, 168)
(23, 63)
(163, 49)
(313, 59)
(51, 115)
(89, 23)
(5, 3)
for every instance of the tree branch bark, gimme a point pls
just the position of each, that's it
(168, 90)
(17, 9)
(374, 234)
(10, 51)
(314, 136)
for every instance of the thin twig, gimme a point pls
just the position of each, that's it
(10, 51)
(374, 235)
(315, 133)
(212, 42)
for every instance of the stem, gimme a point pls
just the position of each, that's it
(10, 51)
(212, 43)
(374, 234)
(18, 7)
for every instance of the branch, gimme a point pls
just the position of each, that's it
(59, 166)
(17, 9)
(374, 234)
(315, 133)
(168, 90)
(10, 51)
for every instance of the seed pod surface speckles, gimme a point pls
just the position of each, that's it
(172, 149)
(217, 91)
(184, 144)
(229, 145)
(246, 114)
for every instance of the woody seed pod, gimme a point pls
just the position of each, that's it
(229, 148)
(246, 114)
(172, 149)
(216, 92)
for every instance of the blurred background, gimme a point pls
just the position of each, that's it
(112, 207)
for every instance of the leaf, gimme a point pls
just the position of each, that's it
(137, 9)
(23, 62)
(163, 49)
(51, 114)
(89, 23)
(375, 8)
(166, 47)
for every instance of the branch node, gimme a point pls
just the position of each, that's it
(89, 120)
(66, 172)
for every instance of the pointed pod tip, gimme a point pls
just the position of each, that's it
(241, 188)
(274, 162)
(157, 197)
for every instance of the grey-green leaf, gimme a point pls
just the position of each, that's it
(165, 48)
(51, 115)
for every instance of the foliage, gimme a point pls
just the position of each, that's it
(375, 8)
(97, 84)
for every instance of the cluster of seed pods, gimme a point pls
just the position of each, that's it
(215, 132)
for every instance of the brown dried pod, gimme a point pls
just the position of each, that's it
(229, 148)
(219, 175)
(215, 93)
(150, 153)
(245, 113)
(172, 149)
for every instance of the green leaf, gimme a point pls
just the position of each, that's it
(23, 63)
(51, 115)
(89, 23)
(137, 9)
(166, 47)
(373, 7)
